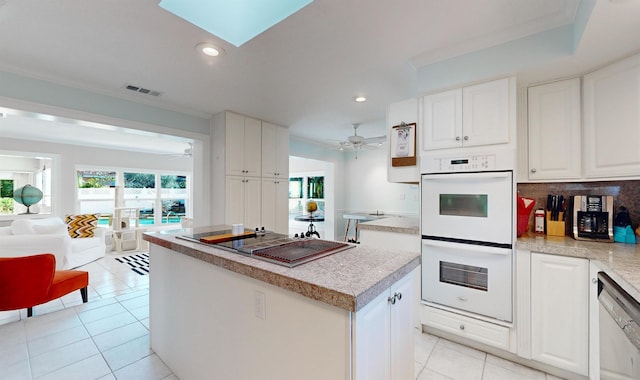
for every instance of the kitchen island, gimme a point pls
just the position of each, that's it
(219, 314)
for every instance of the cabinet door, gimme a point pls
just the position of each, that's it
(252, 147)
(243, 201)
(560, 312)
(373, 340)
(275, 151)
(252, 203)
(485, 110)
(402, 345)
(275, 216)
(442, 120)
(612, 120)
(234, 144)
(269, 150)
(554, 130)
(234, 206)
(282, 153)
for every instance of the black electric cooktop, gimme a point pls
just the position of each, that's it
(272, 247)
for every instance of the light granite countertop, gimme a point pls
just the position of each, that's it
(398, 224)
(619, 260)
(348, 279)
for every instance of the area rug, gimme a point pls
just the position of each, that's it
(138, 263)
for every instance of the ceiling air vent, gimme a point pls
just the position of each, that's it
(142, 90)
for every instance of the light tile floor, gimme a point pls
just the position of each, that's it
(108, 338)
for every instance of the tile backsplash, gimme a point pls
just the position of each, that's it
(625, 193)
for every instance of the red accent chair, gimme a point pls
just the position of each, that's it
(28, 281)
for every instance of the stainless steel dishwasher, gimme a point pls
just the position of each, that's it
(619, 331)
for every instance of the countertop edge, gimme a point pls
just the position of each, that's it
(367, 296)
(394, 224)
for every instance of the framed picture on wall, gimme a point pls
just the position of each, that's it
(403, 145)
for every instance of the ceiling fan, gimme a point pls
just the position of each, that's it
(357, 142)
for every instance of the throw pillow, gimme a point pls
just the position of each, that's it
(22, 227)
(83, 225)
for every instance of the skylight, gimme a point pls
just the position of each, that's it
(235, 21)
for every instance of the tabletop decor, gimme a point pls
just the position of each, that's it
(28, 196)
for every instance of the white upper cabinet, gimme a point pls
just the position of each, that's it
(275, 151)
(612, 120)
(406, 112)
(554, 130)
(244, 145)
(471, 116)
(442, 120)
(485, 113)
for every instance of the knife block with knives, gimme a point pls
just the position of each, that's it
(555, 215)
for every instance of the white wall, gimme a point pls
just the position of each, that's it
(367, 189)
(361, 185)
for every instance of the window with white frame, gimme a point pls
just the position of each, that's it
(100, 191)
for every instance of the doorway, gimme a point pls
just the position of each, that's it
(312, 180)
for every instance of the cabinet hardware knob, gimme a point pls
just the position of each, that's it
(594, 280)
(461, 298)
(398, 295)
(392, 300)
(466, 138)
(461, 327)
(457, 138)
(533, 170)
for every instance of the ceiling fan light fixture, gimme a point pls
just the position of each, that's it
(209, 49)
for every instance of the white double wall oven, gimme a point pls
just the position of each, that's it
(467, 234)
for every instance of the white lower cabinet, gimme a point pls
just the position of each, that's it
(384, 334)
(243, 201)
(473, 329)
(560, 312)
(274, 205)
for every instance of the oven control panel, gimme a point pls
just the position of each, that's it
(467, 164)
(466, 161)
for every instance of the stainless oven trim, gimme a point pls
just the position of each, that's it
(624, 310)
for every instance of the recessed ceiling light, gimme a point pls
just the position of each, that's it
(359, 99)
(209, 49)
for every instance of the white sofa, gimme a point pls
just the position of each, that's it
(49, 235)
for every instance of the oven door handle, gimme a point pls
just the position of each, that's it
(475, 175)
(468, 247)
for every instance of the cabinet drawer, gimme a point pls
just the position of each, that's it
(473, 329)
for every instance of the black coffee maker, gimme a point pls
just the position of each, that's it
(591, 217)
